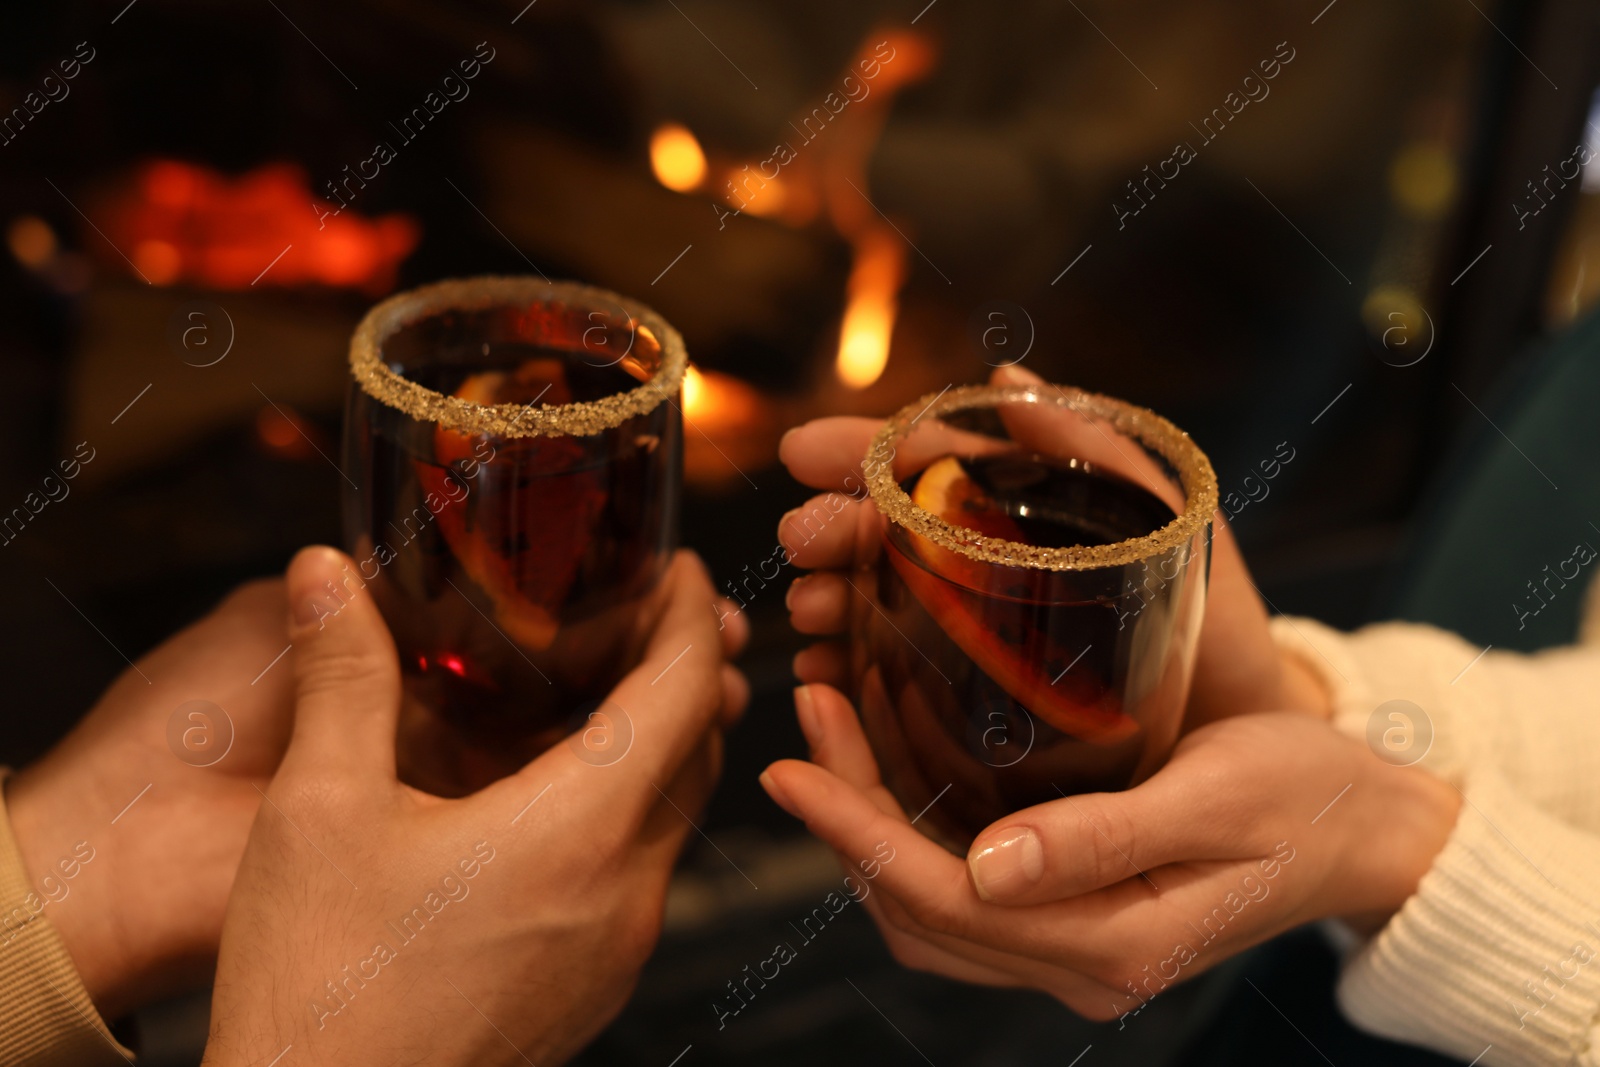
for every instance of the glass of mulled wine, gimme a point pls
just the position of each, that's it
(515, 450)
(1031, 604)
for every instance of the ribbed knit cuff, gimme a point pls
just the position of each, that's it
(46, 1016)
(1499, 948)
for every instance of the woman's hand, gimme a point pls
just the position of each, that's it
(1237, 670)
(374, 923)
(1258, 823)
(163, 833)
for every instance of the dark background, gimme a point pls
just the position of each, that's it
(1317, 276)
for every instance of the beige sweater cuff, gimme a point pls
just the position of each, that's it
(1496, 954)
(46, 1016)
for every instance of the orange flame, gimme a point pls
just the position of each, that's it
(822, 171)
(869, 314)
(713, 401)
(676, 158)
(694, 392)
(879, 264)
(771, 198)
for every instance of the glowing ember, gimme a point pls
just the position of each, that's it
(282, 432)
(31, 240)
(158, 261)
(188, 223)
(676, 158)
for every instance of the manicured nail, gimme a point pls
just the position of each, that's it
(1011, 862)
(779, 797)
(805, 709)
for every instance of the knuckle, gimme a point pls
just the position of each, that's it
(330, 669)
(938, 913)
(1094, 1008)
(895, 921)
(909, 952)
(693, 568)
(865, 534)
(1107, 843)
(1112, 975)
(700, 707)
(310, 799)
(900, 949)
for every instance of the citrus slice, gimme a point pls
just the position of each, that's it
(946, 490)
(522, 531)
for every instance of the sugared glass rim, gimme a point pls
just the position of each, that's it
(1198, 480)
(580, 419)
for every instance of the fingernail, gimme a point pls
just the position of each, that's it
(779, 797)
(1017, 372)
(1009, 864)
(783, 523)
(805, 709)
(309, 583)
(788, 598)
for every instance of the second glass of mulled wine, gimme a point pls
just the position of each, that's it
(1030, 613)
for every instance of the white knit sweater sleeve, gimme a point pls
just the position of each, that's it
(1497, 955)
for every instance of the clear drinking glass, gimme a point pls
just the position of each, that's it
(1031, 602)
(515, 449)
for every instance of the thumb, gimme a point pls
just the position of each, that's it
(347, 674)
(1062, 427)
(1077, 844)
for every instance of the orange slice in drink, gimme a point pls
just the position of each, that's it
(521, 532)
(945, 489)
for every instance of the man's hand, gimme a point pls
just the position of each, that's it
(144, 915)
(373, 923)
